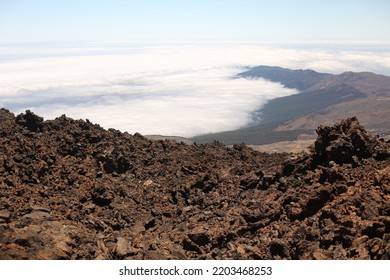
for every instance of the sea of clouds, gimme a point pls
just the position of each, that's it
(168, 89)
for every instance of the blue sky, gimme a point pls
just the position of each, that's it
(166, 66)
(183, 20)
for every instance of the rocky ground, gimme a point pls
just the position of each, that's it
(72, 190)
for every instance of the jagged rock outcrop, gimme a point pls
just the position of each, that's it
(347, 142)
(71, 190)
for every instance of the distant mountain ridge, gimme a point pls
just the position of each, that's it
(298, 79)
(323, 99)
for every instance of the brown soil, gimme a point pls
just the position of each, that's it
(72, 190)
(296, 146)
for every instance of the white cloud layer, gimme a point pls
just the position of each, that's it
(172, 89)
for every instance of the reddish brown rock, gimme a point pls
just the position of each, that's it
(72, 190)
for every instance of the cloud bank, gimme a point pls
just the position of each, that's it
(171, 89)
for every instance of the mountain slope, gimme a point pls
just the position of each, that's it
(324, 99)
(299, 79)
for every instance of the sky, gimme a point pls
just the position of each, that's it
(178, 20)
(169, 67)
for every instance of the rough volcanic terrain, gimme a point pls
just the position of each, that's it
(71, 190)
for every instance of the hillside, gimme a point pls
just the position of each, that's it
(72, 190)
(323, 99)
(299, 79)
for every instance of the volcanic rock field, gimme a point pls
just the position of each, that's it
(70, 189)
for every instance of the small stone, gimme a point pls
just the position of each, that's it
(40, 209)
(241, 250)
(318, 255)
(37, 215)
(231, 246)
(187, 209)
(179, 254)
(359, 241)
(122, 247)
(148, 183)
(220, 213)
(5, 215)
(363, 254)
(102, 196)
(104, 251)
(137, 228)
